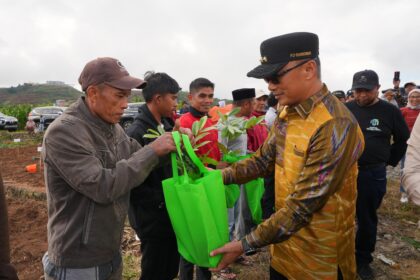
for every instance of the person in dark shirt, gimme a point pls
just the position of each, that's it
(148, 215)
(379, 121)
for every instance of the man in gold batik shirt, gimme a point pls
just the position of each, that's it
(313, 149)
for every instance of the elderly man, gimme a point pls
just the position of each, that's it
(90, 167)
(313, 149)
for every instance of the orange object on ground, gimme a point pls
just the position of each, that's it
(31, 168)
(224, 110)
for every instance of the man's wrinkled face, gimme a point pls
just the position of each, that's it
(260, 104)
(365, 97)
(202, 99)
(107, 102)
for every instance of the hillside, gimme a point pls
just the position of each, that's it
(37, 94)
(47, 94)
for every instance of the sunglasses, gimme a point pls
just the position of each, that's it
(275, 79)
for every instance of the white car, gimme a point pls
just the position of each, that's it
(8, 123)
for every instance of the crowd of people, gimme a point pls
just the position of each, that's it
(323, 157)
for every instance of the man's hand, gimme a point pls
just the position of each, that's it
(231, 251)
(163, 145)
(222, 165)
(190, 135)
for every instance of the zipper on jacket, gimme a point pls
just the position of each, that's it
(88, 223)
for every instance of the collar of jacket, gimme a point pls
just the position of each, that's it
(196, 113)
(107, 128)
(146, 116)
(304, 108)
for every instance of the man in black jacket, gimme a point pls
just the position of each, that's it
(148, 214)
(379, 121)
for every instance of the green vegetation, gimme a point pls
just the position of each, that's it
(38, 94)
(20, 112)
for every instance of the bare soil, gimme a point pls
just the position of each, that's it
(28, 227)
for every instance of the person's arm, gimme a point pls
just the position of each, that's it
(411, 171)
(261, 164)
(400, 135)
(84, 171)
(333, 150)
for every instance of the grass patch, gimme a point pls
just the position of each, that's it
(131, 269)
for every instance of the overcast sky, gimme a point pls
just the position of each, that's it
(44, 40)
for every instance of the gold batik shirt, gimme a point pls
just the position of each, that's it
(313, 149)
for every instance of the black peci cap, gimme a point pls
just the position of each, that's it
(339, 94)
(243, 93)
(278, 51)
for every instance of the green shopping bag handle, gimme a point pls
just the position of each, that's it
(192, 155)
(177, 140)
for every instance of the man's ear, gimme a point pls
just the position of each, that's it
(310, 69)
(92, 93)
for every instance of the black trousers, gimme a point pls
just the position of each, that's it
(186, 271)
(159, 260)
(267, 201)
(160, 257)
(371, 188)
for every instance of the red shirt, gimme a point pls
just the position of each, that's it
(211, 149)
(257, 134)
(410, 116)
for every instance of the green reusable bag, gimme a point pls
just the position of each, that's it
(254, 190)
(198, 217)
(232, 193)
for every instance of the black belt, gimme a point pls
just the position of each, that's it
(371, 166)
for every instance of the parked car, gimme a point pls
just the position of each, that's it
(129, 114)
(50, 113)
(7, 122)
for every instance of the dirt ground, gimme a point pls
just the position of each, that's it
(28, 220)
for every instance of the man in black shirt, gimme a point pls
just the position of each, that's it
(148, 215)
(379, 121)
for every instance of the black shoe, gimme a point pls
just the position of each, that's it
(364, 271)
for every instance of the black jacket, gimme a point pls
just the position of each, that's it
(147, 200)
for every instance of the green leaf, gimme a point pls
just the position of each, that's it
(234, 111)
(161, 130)
(230, 129)
(201, 144)
(220, 114)
(209, 128)
(209, 160)
(200, 136)
(203, 122)
(150, 136)
(194, 128)
(152, 131)
(222, 148)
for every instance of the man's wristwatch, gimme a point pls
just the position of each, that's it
(248, 250)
